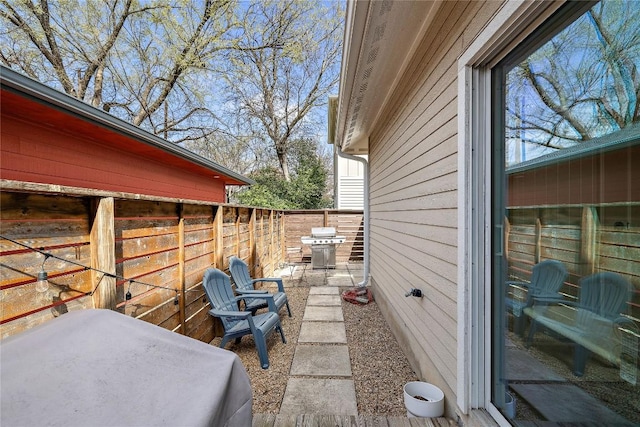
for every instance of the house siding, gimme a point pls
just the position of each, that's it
(413, 197)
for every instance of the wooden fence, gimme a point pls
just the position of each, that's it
(347, 223)
(157, 249)
(154, 249)
(587, 239)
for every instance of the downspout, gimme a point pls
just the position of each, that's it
(365, 165)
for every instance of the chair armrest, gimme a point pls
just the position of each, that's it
(268, 297)
(276, 280)
(515, 283)
(251, 291)
(256, 295)
(626, 321)
(547, 299)
(224, 313)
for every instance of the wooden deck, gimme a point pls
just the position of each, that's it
(311, 420)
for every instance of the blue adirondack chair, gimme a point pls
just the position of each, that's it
(602, 295)
(244, 286)
(236, 323)
(546, 279)
(603, 298)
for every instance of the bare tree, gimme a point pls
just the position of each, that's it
(136, 57)
(74, 41)
(583, 83)
(274, 90)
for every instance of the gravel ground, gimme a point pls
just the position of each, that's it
(378, 365)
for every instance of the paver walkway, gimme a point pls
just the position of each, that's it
(320, 381)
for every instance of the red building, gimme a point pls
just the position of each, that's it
(48, 137)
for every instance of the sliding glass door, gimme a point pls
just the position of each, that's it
(566, 219)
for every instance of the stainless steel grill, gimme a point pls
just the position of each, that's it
(323, 241)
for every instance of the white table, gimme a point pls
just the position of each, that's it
(101, 368)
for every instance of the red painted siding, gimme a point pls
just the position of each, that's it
(88, 156)
(602, 178)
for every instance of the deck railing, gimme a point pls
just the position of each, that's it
(142, 256)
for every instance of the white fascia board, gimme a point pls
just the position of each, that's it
(354, 31)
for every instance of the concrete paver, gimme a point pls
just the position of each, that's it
(321, 360)
(321, 351)
(312, 280)
(568, 403)
(521, 366)
(344, 281)
(327, 396)
(323, 332)
(324, 300)
(318, 313)
(324, 290)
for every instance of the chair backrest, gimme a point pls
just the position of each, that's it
(217, 287)
(240, 273)
(547, 278)
(605, 294)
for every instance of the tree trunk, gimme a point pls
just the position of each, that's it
(96, 101)
(284, 165)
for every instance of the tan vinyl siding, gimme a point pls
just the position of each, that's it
(413, 189)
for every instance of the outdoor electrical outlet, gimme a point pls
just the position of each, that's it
(414, 292)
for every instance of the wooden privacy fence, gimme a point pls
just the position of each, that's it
(587, 239)
(155, 250)
(347, 223)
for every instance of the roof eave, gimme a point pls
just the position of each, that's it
(380, 40)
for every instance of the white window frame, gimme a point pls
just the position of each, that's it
(513, 22)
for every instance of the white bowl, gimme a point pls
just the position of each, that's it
(423, 399)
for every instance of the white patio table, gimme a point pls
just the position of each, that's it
(102, 368)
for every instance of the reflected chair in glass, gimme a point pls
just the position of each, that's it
(592, 323)
(547, 278)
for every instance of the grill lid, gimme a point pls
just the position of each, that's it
(323, 231)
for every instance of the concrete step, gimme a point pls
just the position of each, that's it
(315, 420)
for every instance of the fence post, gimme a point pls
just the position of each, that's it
(237, 238)
(103, 258)
(181, 272)
(538, 250)
(252, 241)
(272, 253)
(588, 240)
(218, 235)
